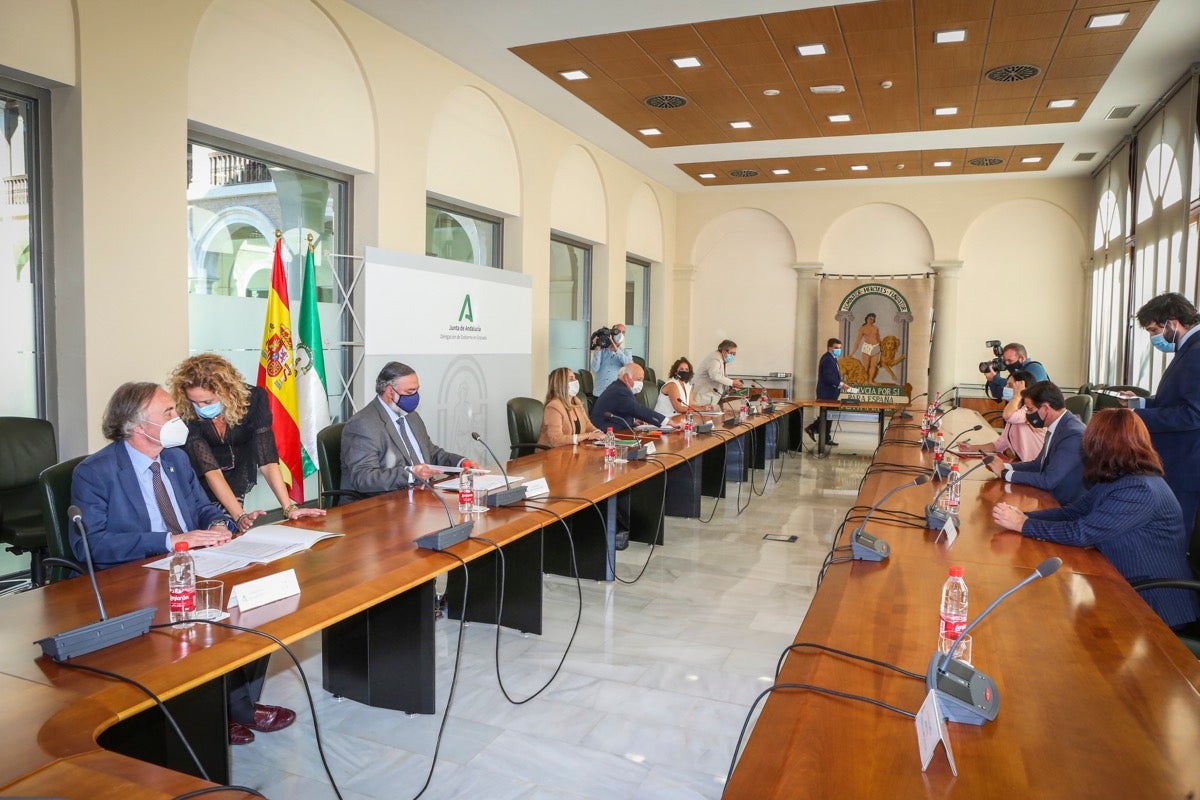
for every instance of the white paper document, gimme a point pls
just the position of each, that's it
(483, 483)
(256, 546)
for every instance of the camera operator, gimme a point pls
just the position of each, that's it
(608, 356)
(1011, 358)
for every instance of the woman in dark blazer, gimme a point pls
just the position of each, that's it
(1129, 513)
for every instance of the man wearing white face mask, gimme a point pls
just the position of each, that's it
(139, 495)
(607, 360)
(619, 399)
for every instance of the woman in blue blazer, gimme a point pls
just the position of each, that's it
(1129, 513)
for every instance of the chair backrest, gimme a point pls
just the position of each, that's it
(649, 394)
(587, 381)
(329, 457)
(26, 448)
(1081, 406)
(651, 375)
(55, 484)
(524, 424)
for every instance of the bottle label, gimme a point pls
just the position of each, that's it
(610, 452)
(951, 500)
(466, 497)
(952, 626)
(183, 599)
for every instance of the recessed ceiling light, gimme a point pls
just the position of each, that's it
(839, 117)
(1107, 20)
(945, 111)
(771, 92)
(818, 169)
(943, 163)
(951, 36)
(686, 62)
(649, 131)
(899, 166)
(858, 167)
(832, 88)
(1061, 103)
(810, 49)
(706, 175)
(1031, 160)
(741, 124)
(575, 75)
(781, 172)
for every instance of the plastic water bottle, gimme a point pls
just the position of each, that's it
(689, 423)
(181, 585)
(954, 609)
(466, 491)
(953, 495)
(939, 453)
(610, 446)
(744, 412)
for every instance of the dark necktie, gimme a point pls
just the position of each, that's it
(163, 499)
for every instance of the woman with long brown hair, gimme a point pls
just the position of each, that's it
(1129, 513)
(564, 418)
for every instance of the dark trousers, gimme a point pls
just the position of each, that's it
(245, 688)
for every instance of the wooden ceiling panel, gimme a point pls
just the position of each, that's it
(741, 30)
(868, 44)
(901, 164)
(875, 16)
(746, 55)
(675, 40)
(1082, 67)
(798, 27)
(1012, 105)
(963, 97)
(932, 79)
(992, 90)
(700, 78)
(551, 57)
(1048, 115)
(899, 64)
(1031, 51)
(857, 126)
(951, 57)
(639, 88)
(950, 13)
(976, 33)
(1095, 44)
(1028, 26)
(617, 54)
(997, 120)
(1077, 24)
(820, 71)
(775, 73)
(1013, 8)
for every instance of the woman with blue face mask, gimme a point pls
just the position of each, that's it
(1019, 439)
(230, 440)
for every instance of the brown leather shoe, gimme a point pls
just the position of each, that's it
(240, 734)
(268, 719)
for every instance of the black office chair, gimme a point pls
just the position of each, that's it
(55, 484)
(524, 426)
(329, 467)
(587, 387)
(1190, 635)
(651, 376)
(649, 394)
(1081, 406)
(26, 448)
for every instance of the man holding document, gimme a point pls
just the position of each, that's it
(138, 497)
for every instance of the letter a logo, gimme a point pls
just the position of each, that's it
(465, 312)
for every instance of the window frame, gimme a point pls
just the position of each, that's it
(452, 206)
(586, 300)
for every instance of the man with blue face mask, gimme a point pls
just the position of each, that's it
(1172, 415)
(607, 360)
(387, 438)
(711, 383)
(829, 384)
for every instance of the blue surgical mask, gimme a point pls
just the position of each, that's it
(837, 352)
(408, 402)
(1007, 393)
(210, 411)
(1160, 343)
(729, 358)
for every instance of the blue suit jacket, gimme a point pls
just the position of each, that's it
(829, 378)
(106, 490)
(1061, 472)
(1173, 418)
(618, 399)
(1136, 523)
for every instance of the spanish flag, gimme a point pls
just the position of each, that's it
(277, 374)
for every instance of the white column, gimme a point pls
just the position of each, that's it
(806, 352)
(683, 284)
(945, 318)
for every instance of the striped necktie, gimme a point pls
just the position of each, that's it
(163, 499)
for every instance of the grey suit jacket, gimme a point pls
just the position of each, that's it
(374, 456)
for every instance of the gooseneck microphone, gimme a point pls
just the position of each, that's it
(940, 468)
(97, 635)
(633, 453)
(510, 494)
(964, 694)
(448, 536)
(935, 518)
(864, 546)
(962, 434)
(904, 413)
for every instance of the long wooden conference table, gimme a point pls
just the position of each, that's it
(369, 593)
(1098, 698)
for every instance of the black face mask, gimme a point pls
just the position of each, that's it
(1034, 419)
(683, 375)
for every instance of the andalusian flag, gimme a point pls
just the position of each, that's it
(277, 374)
(310, 361)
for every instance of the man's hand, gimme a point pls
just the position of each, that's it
(991, 373)
(737, 384)
(204, 538)
(425, 472)
(996, 466)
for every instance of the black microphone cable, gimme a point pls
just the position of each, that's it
(790, 648)
(215, 790)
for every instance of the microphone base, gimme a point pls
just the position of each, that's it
(505, 497)
(935, 518)
(902, 415)
(98, 635)
(446, 537)
(732, 423)
(940, 470)
(865, 547)
(636, 453)
(964, 694)
(704, 427)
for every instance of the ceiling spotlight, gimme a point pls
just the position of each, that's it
(885, 85)
(833, 88)
(781, 172)
(945, 111)
(899, 166)
(810, 49)
(771, 92)
(818, 169)
(741, 124)
(575, 75)
(940, 164)
(950, 37)
(1031, 160)
(707, 175)
(686, 62)
(1061, 103)
(858, 167)
(1107, 20)
(649, 131)
(839, 117)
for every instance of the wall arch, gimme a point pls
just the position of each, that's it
(472, 157)
(307, 94)
(644, 225)
(577, 199)
(898, 242)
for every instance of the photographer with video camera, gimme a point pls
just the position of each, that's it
(1010, 358)
(608, 356)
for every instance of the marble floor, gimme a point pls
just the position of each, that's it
(651, 696)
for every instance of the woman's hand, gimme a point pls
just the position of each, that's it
(299, 512)
(246, 520)
(1008, 517)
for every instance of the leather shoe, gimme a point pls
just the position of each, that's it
(830, 443)
(240, 734)
(812, 434)
(268, 719)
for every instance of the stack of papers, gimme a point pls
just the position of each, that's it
(256, 546)
(483, 482)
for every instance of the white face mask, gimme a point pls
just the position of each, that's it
(173, 433)
(572, 388)
(637, 387)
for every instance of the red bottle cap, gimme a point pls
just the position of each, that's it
(181, 547)
(956, 572)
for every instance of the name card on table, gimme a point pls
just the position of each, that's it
(951, 531)
(931, 729)
(538, 488)
(261, 591)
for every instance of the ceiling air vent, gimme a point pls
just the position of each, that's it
(743, 173)
(1121, 112)
(666, 101)
(986, 161)
(1011, 73)
(1084, 156)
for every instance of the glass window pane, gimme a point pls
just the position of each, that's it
(570, 303)
(462, 235)
(637, 307)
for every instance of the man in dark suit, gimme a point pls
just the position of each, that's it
(1059, 467)
(1172, 415)
(139, 497)
(619, 400)
(829, 384)
(387, 438)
